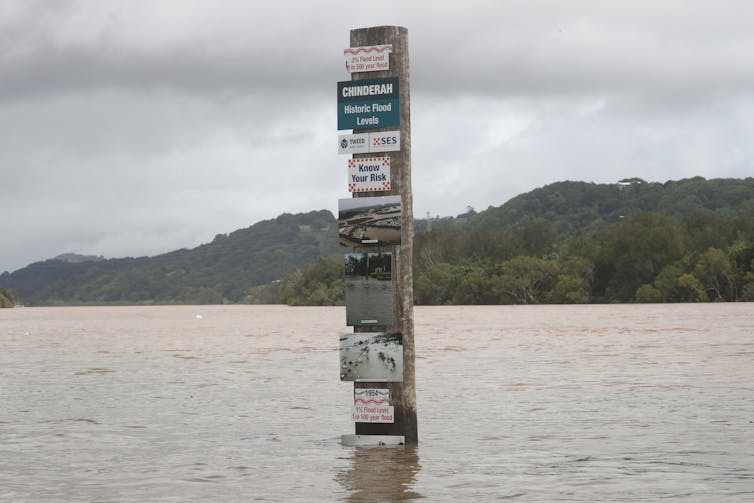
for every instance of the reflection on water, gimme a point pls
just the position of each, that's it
(381, 474)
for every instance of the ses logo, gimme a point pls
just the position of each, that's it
(385, 141)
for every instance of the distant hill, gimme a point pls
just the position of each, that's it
(217, 272)
(575, 242)
(572, 206)
(235, 267)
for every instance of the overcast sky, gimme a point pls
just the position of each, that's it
(132, 128)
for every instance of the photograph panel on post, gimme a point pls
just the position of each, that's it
(369, 221)
(371, 356)
(369, 289)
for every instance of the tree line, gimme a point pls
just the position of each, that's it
(633, 241)
(644, 257)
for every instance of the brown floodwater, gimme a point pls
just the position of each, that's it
(244, 403)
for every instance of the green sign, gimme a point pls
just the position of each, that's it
(368, 103)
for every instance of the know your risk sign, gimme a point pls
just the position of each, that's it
(369, 174)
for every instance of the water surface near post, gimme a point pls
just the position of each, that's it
(537, 403)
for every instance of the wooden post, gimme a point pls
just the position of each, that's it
(402, 395)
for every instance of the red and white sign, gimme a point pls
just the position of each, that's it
(372, 405)
(371, 58)
(369, 174)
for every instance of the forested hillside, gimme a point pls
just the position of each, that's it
(575, 242)
(568, 242)
(217, 272)
(571, 206)
(645, 257)
(684, 241)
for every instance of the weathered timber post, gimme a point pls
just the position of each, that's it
(402, 394)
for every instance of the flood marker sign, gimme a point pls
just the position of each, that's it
(368, 103)
(371, 58)
(372, 405)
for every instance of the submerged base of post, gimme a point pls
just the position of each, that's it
(372, 440)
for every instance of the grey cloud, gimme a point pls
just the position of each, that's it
(125, 122)
(547, 48)
(493, 48)
(53, 73)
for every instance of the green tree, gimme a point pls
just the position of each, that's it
(7, 298)
(320, 283)
(525, 280)
(747, 292)
(715, 274)
(475, 287)
(667, 283)
(574, 281)
(648, 294)
(570, 289)
(271, 293)
(691, 290)
(635, 251)
(437, 285)
(742, 259)
(537, 237)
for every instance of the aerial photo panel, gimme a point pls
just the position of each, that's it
(369, 221)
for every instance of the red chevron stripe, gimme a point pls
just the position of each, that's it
(376, 402)
(357, 50)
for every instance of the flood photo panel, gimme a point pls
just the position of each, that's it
(369, 221)
(371, 356)
(369, 289)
